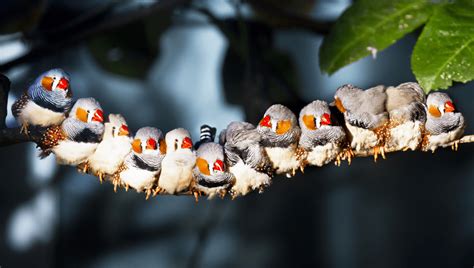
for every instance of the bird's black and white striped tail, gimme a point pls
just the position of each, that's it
(208, 134)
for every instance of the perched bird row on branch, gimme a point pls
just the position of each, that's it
(377, 120)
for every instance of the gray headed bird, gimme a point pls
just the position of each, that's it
(211, 176)
(443, 124)
(405, 105)
(112, 150)
(322, 140)
(46, 102)
(280, 134)
(246, 158)
(78, 136)
(365, 116)
(178, 163)
(143, 164)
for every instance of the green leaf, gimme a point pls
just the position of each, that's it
(370, 24)
(445, 50)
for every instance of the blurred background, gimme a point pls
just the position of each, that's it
(183, 63)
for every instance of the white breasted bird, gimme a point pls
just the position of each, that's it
(78, 136)
(322, 140)
(177, 167)
(211, 176)
(46, 102)
(405, 105)
(246, 158)
(280, 133)
(143, 164)
(444, 124)
(365, 116)
(112, 150)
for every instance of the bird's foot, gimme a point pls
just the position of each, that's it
(100, 174)
(148, 193)
(302, 166)
(406, 148)
(115, 182)
(379, 150)
(158, 190)
(345, 154)
(24, 128)
(222, 193)
(84, 166)
(455, 145)
(126, 187)
(196, 194)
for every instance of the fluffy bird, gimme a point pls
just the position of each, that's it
(322, 140)
(112, 150)
(246, 158)
(443, 124)
(78, 136)
(210, 174)
(280, 134)
(143, 164)
(365, 116)
(407, 116)
(46, 102)
(177, 167)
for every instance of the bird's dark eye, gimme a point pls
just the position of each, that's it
(113, 131)
(176, 144)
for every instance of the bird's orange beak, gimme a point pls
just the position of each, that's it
(203, 166)
(162, 146)
(339, 105)
(265, 122)
(449, 107)
(63, 84)
(137, 146)
(151, 144)
(187, 143)
(123, 131)
(98, 116)
(47, 82)
(218, 166)
(325, 119)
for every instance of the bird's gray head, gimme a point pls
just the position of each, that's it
(87, 110)
(278, 119)
(315, 115)
(178, 140)
(54, 80)
(210, 159)
(149, 141)
(117, 125)
(343, 94)
(438, 104)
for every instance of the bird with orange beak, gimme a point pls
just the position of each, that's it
(78, 136)
(444, 124)
(211, 176)
(46, 102)
(177, 167)
(321, 138)
(280, 135)
(112, 150)
(365, 117)
(143, 164)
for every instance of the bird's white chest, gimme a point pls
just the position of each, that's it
(362, 139)
(284, 160)
(138, 179)
(247, 179)
(36, 115)
(110, 153)
(73, 153)
(405, 136)
(441, 140)
(176, 172)
(322, 155)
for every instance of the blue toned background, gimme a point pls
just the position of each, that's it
(177, 66)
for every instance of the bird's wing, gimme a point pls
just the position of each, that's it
(19, 104)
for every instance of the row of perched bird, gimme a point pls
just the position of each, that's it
(246, 157)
